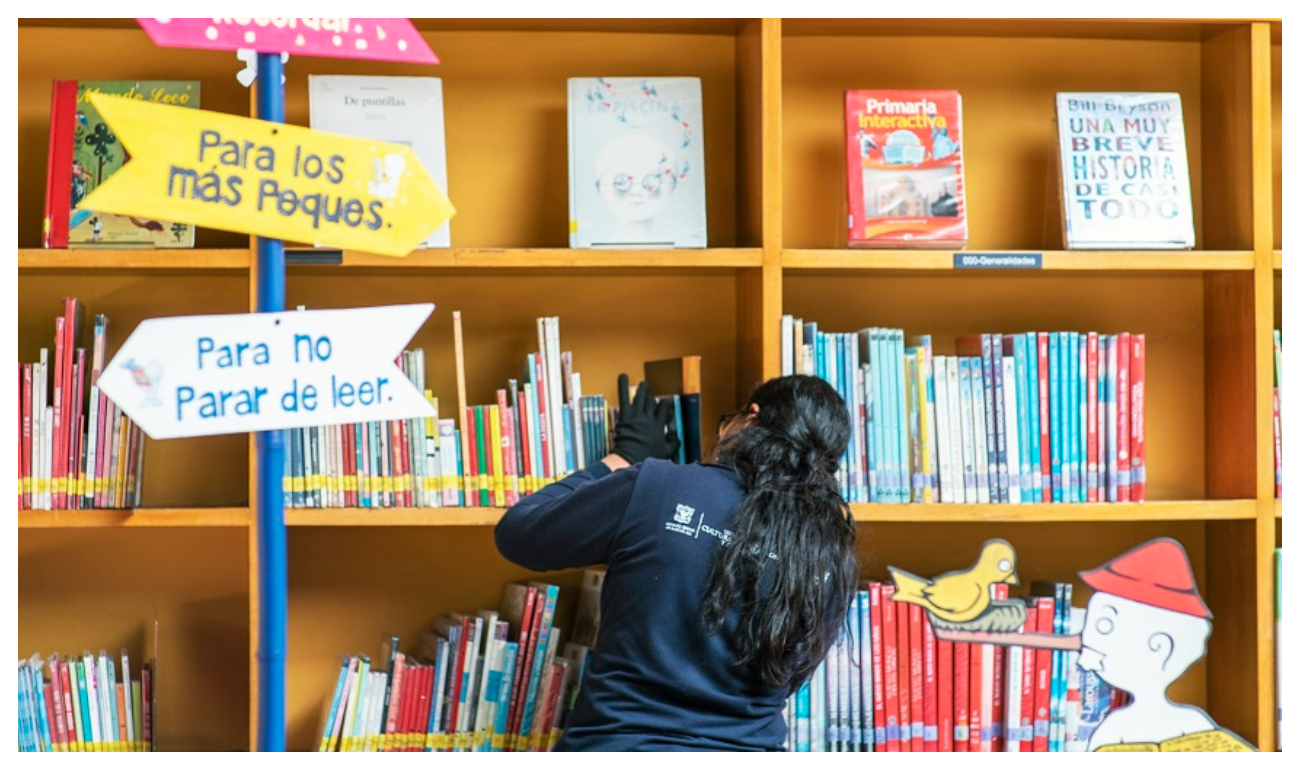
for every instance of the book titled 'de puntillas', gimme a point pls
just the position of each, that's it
(400, 110)
(905, 169)
(636, 163)
(1124, 181)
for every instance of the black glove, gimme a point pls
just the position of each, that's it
(645, 428)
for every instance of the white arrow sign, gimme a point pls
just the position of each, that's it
(214, 374)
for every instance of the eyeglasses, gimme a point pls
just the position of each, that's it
(651, 182)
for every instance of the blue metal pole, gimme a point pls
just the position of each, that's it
(272, 550)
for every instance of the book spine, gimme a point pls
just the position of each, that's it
(1015, 672)
(903, 436)
(1057, 406)
(1042, 368)
(976, 702)
(1137, 418)
(1070, 413)
(58, 176)
(996, 679)
(880, 681)
(985, 448)
(1028, 683)
(915, 484)
(930, 669)
(1091, 478)
(1123, 413)
(1043, 676)
(916, 673)
(1010, 397)
(893, 678)
(997, 417)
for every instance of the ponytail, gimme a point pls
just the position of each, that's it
(790, 565)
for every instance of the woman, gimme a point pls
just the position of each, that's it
(727, 582)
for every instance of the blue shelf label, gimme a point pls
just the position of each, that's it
(1005, 260)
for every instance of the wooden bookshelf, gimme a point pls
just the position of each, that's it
(773, 117)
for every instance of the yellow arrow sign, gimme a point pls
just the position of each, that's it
(268, 179)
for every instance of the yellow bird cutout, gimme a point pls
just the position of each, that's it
(963, 595)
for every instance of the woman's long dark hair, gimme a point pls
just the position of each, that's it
(792, 524)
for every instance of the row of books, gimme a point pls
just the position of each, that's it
(1013, 418)
(491, 681)
(1277, 413)
(540, 429)
(891, 684)
(636, 161)
(76, 448)
(85, 703)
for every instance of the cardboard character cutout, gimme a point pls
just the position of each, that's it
(1145, 625)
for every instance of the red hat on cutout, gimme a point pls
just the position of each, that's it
(1155, 573)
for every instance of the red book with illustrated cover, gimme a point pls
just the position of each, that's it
(903, 628)
(1045, 413)
(507, 448)
(916, 668)
(543, 421)
(1095, 492)
(930, 664)
(961, 696)
(877, 668)
(1028, 682)
(976, 705)
(889, 629)
(998, 718)
(1137, 377)
(1123, 401)
(906, 178)
(943, 652)
(1043, 675)
(60, 174)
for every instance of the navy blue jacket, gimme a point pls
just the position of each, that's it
(656, 681)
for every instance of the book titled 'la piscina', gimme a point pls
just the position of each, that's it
(905, 169)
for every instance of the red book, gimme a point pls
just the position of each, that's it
(877, 667)
(146, 702)
(961, 696)
(1123, 435)
(54, 699)
(508, 468)
(421, 707)
(523, 661)
(916, 668)
(976, 706)
(1094, 489)
(945, 673)
(889, 629)
(902, 194)
(1137, 416)
(397, 447)
(902, 628)
(69, 719)
(930, 664)
(1028, 683)
(1045, 413)
(105, 431)
(58, 175)
(998, 720)
(470, 459)
(539, 385)
(59, 460)
(25, 451)
(527, 473)
(71, 332)
(489, 462)
(1043, 674)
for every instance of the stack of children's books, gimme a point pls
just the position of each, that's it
(77, 449)
(495, 680)
(85, 703)
(890, 684)
(1053, 417)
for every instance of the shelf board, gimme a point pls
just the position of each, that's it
(393, 517)
(35, 260)
(1197, 510)
(1082, 261)
(1106, 29)
(1277, 259)
(139, 517)
(558, 258)
(677, 26)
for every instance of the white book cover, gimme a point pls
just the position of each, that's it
(401, 110)
(787, 345)
(1011, 699)
(943, 490)
(961, 475)
(636, 163)
(1124, 179)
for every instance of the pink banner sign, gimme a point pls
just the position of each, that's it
(383, 39)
